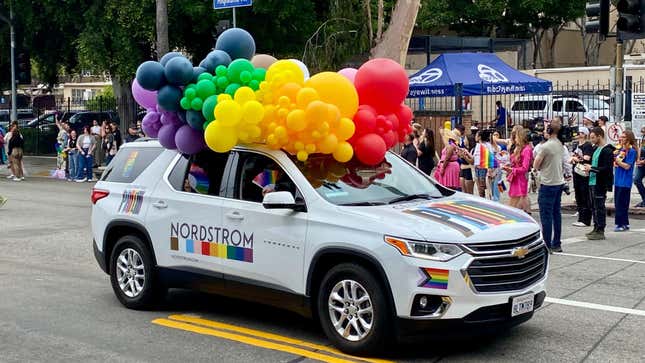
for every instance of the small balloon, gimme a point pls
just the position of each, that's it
(263, 60)
(168, 56)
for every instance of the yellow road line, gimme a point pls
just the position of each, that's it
(248, 340)
(265, 335)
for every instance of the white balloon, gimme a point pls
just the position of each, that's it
(302, 66)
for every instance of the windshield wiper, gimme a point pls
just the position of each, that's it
(362, 204)
(410, 197)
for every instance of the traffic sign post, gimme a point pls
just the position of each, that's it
(225, 4)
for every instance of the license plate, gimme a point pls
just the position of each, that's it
(522, 304)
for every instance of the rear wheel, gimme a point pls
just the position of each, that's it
(133, 275)
(353, 310)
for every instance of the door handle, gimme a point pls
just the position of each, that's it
(234, 215)
(160, 204)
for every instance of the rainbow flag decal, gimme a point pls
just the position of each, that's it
(213, 249)
(467, 215)
(131, 201)
(265, 178)
(129, 164)
(486, 158)
(198, 179)
(434, 278)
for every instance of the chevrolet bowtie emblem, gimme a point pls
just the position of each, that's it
(519, 252)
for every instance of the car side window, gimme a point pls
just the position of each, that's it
(557, 106)
(258, 175)
(201, 173)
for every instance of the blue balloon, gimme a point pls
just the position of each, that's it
(237, 42)
(168, 98)
(195, 119)
(196, 72)
(150, 75)
(169, 56)
(179, 71)
(219, 58)
(208, 64)
(182, 115)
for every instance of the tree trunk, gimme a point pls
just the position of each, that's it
(551, 56)
(368, 11)
(395, 40)
(126, 106)
(162, 28)
(379, 22)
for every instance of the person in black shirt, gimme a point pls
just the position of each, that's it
(16, 143)
(426, 152)
(582, 156)
(409, 152)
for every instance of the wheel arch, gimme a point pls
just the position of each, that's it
(119, 228)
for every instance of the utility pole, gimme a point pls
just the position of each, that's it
(14, 97)
(162, 28)
(619, 92)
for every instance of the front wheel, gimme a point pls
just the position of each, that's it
(353, 310)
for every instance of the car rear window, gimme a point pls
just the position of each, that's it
(129, 163)
(528, 105)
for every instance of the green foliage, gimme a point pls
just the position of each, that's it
(102, 101)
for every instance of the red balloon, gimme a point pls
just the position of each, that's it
(365, 121)
(404, 114)
(383, 84)
(370, 149)
(402, 134)
(394, 120)
(367, 108)
(390, 138)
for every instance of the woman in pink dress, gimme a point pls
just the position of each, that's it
(516, 172)
(447, 171)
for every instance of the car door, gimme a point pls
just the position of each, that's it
(264, 245)
(185, 218)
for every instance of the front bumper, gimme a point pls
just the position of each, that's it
(100, 257)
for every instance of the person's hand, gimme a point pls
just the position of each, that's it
(587, 167)
(268, 189)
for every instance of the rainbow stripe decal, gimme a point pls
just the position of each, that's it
(434, 278)
(486, 158)
(131, 201)
(467, 215)
(213, 249)
(129, 164)
(265, 178)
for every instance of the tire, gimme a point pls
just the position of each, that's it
(144, 292)
(374, 339)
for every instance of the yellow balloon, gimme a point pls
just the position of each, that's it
(220, 138)
(280, 132)
(224, 97)
(255, 132)
(228, 113)
(345, 129)
(316, 113)
(299, 145)
(335, 89)
(253, 112)
(289, 71)
(302, 155)
(343, 152)
(328, 144)
(310, 148)
(296, 120)
(447, 125)
(244, 94)
(334, 114)
(305, 96)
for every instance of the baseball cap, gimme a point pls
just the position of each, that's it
(590, 116)
(583, 130)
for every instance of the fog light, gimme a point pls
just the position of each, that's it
(423, 302)
(429, 305)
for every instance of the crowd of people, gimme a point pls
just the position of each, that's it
(493, 165)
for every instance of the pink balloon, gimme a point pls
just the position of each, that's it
(349, 73)
(145, 98)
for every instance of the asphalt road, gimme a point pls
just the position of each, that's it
(57, 305)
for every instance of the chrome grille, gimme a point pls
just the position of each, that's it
(496, 247)
(498, 270)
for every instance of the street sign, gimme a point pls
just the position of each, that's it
(225, 4)
(614, 130)
(638, 112)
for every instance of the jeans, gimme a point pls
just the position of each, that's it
(583, 198)
(85, 165)
(639, 175)
(621, 201)
(108, 158)
(72, 161)
(494, 187)
(549, 200)
(599, 209)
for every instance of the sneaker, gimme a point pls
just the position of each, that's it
(576, 214)
(22, 178)
(579, 224)
(80, 180)
(590, 233)
(556, 249)
(596, 236)
(626, 227)
(91, 180)
(11, 176)
(3, 200)
(620, 229)
(16, 179)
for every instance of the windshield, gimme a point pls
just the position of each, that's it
(356, 184)
(596, 103)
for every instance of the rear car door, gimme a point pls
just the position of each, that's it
(264, 245)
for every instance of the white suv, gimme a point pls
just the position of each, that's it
(572, 109)
(371, 252)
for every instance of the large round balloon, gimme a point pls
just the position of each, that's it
(237, 67)
(349, 73)
(188, 140)
(220, 138)
(167, 136)
(169, 96)
(237, 42)
(219, 58)
(151, 124)
(383, 84)
(146, 99)
(208, 108)
(337, 90)
(302, 67)
(179, 71)
(150, 75)
(169, 56)
(195, 119)
(196, 72)
(370, 149)
(263, 60)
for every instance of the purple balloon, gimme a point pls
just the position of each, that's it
(151, 124)
(145, 98)
(170, 118)
(166, 136)
(188, 140)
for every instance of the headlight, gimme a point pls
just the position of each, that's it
(427, 250)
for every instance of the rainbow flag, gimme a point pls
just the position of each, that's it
(265, 178)
(129, 164)
(198, 179)
(434, 278)
(486, 158)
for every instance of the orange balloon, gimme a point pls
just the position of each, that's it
(290, 90)
(335, 89)
(317, 112)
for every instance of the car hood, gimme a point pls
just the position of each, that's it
(459, 218)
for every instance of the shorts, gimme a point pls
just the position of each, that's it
(16, 153)
(467, 174)
(481, 173)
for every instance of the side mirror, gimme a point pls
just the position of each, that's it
(280, 200)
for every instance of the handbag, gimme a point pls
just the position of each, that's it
(580, 170)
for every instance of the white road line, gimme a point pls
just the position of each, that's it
(571, 240)
(599, 257)
(582, 304)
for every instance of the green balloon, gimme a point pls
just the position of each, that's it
(196, 104)
(236, 68)
(259, 74)
(222, 82)
(246, 77)
(185, 103)
(232, 88)
(192, 85)
(190, 93)
(208, 108)
(206, 124)
(255, 85)
(205, 76)
(205, 88)
(221, 71)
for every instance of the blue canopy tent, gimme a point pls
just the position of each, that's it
(476, 74)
